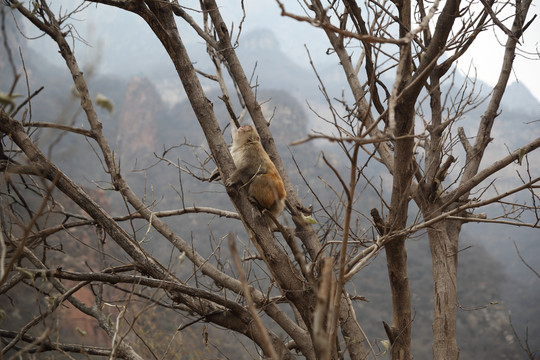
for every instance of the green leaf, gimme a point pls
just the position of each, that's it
(309, 219)
(105, 102)
(9, 100)
(181, 258)
(521, 155)
(386, 345)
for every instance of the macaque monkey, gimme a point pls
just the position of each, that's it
(257, 172)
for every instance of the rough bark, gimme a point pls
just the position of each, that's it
(443, 242)
(396, 253)
(351, 330)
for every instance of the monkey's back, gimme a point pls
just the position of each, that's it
(257, 172)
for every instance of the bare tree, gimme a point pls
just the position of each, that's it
(304, 294)
(419, 65)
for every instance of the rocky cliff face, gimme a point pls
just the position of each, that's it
(137, 122)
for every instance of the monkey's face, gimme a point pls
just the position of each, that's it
(245, 128)
(247, 133)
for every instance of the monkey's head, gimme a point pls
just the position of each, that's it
(246, 133)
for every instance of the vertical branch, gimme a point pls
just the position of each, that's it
(266, 344)
(483, 136)
(323, 335)
(339, 291)
(364, 114)
(396, 253)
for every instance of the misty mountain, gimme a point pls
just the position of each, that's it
(152, 119)
(518, 99)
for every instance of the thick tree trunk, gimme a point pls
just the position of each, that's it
(443, 242)
(400, 332)
(396, 255)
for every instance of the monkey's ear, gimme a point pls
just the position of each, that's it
(255, 133)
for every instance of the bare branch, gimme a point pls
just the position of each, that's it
(266, 343)
(43, 345)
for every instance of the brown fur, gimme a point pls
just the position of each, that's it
(257, 172)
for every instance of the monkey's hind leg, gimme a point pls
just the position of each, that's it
(260, 190)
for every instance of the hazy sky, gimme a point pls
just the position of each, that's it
(486, 55)
(101, 26)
